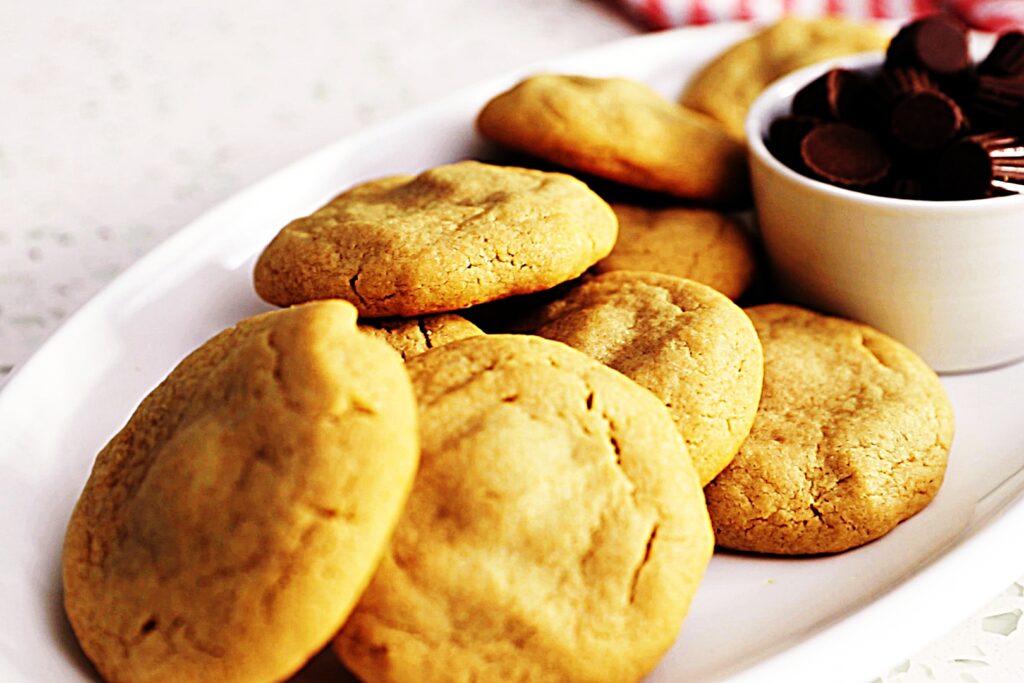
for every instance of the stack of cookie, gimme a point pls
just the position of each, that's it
(630, 144)
(367, 466)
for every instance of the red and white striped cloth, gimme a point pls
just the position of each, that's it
(986, 15)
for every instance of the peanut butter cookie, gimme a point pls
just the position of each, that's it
(685, 342)
(621, 130)
(228, 529)
(447, 239)
(412, 336)
(850, 439)
(725, 89)
(556, 530)
(697, 244)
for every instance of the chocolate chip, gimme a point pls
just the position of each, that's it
(925, 120)
(895, 83)
(784, 138)
(838, 95)
(906, 186)
(977, 166)
(1006, 57)
(965, 172)
(911, 177)
(937, 43)
(844, 155)
(820, 97)
(998, 98)
(1014, 120)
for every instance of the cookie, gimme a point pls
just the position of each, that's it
(447, 239)
(556, 530)
(228, 529)
(697, 244)
(685, 342)
(621, 130)
(412, 336)
(725, 88)
(850, 439)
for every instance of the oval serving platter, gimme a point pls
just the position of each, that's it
(754, 619)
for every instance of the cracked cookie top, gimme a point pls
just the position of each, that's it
(687, 343)
(556, 530)
(412, 336)
(850, 439)
(444, 240)
(698, 244)
(227, 530)
(621, 130)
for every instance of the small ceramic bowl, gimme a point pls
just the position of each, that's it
(944, 278)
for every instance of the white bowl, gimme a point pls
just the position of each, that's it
(944, 278)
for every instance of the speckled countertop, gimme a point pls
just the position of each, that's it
(120, 122)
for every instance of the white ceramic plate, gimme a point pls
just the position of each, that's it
(754, 619)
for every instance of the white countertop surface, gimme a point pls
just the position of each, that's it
(121, 122)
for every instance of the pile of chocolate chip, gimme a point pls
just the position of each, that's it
(929, 125)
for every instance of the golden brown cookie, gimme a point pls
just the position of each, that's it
(412, 336)
(228, 529)
(556, 530)
(621, 130)
(688, 344)
(697, 244)
(447, 239)
(850, 439)
(726, 87)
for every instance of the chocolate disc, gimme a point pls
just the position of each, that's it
(820, 97)
(982, 165)
(964, 172)
(937, 43)
(909, 179)
(895, 83)
(1014, 120)
(997, 98)
(844, 155)
(839, 95)
(1006, 58)
(925, 120)
(785, 136)
(906, 187)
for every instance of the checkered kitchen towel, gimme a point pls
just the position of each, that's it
(986, 15)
